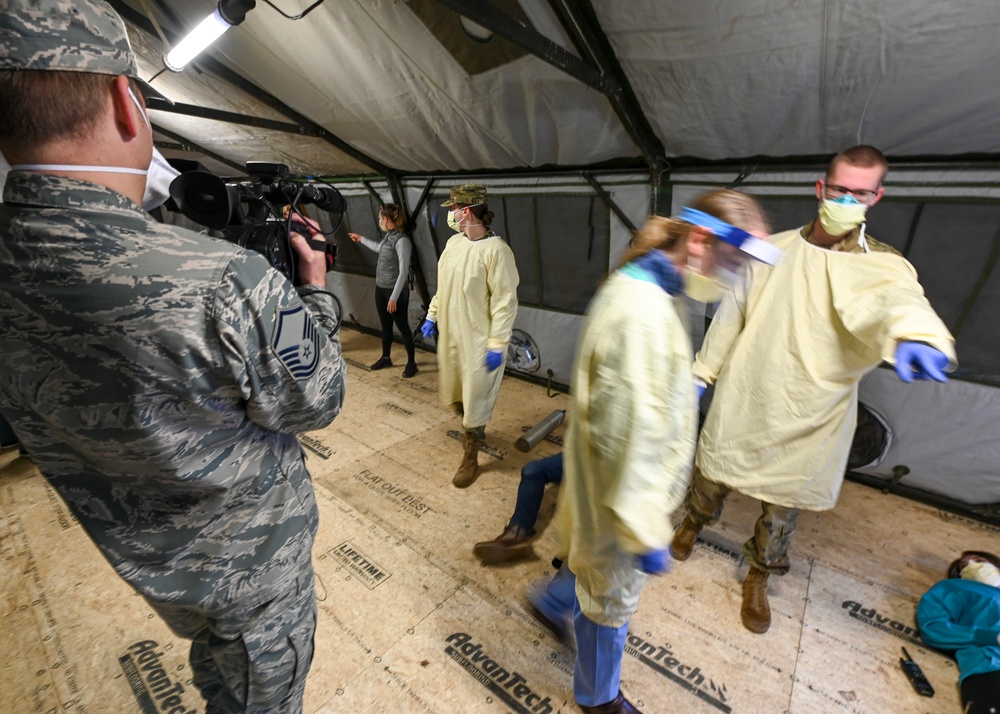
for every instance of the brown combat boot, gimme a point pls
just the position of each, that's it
(513, 544)
(756, 613)
(468, 472)
(684, 538)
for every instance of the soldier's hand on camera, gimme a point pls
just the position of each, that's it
(312, 262)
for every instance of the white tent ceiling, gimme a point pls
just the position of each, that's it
(711, 80)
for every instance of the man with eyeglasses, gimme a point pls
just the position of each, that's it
(786, 351)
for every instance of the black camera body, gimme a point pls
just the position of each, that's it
(253, 213)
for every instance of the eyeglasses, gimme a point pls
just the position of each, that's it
(862, 194)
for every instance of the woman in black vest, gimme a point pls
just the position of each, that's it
(392, 295)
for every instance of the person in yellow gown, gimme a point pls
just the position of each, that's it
(631, 436)
(472, 314)
(786, 353)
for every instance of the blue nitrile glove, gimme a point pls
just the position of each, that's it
(915, 360)
(428, 328)
(493, 360)
(701, 387)
(654, 563)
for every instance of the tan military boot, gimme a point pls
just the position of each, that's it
(756, 613)
(468, 472)
(684, 538)
(513, 544)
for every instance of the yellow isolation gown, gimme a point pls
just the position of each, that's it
(474, 307)
(630, 441)
(786, 353)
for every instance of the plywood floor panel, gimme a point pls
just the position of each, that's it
(466, 657)
(409, 621)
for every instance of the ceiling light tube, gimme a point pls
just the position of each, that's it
(227, 14)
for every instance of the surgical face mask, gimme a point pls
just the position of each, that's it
(160, 172)
(841, 215)
(709, 280)
(158, 180)
(453, 222)
(985, 573)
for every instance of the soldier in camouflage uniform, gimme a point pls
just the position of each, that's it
(156, 376)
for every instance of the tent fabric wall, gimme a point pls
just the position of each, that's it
(943, 434)
(772, 78)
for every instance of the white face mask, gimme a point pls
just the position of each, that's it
(153, 195)
(841, 215)
(158, 180)
(160, 173)
(985, 573)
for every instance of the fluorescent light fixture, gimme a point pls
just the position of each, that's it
(208, 31)
(227, 14)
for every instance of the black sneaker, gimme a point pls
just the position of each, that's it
(381, 364)
(410, 370)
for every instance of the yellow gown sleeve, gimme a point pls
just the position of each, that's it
(881, 303)
(656, 427)
(501, 283)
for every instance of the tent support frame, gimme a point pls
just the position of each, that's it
(183, 144)
(989, 513)
(608, 201)
(580, 22)
(500, 23)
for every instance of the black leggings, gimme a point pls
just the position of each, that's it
(399, 317)
(981, 693)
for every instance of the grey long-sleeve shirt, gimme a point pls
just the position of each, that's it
(393, 265)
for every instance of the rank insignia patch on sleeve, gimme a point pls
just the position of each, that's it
(296, 342)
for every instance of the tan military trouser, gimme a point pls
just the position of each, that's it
(767, 550)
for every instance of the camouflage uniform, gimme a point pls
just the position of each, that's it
(157, 378)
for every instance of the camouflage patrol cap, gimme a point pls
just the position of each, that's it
(468, 194)
(66, 35)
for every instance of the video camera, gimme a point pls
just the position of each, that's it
(250, 213)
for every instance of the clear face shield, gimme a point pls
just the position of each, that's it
(718, 265)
